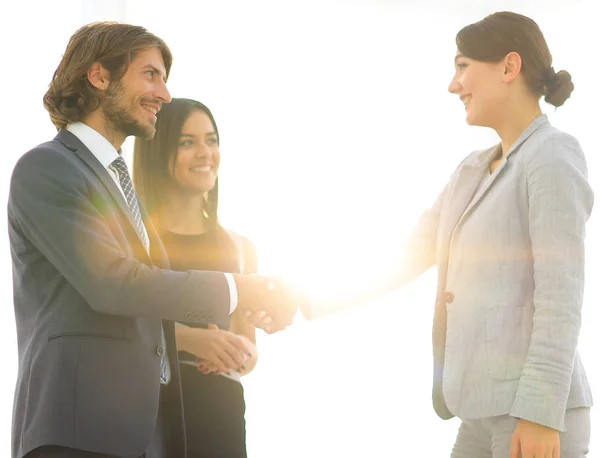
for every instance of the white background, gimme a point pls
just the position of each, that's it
(336, 132)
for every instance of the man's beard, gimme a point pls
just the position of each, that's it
(120, 115)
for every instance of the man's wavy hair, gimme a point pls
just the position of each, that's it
(70, 96)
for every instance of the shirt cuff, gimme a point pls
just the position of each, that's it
(233, 296)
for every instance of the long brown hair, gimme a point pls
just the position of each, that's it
(153, 159)
(70, 95)
(499, 34)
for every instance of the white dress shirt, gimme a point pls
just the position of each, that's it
(106, 153)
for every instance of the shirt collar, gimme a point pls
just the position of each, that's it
(98, 145)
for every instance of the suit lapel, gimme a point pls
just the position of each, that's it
(485, 159)
(75, 145)
(465, 185)
(484, 178)
(158, 254)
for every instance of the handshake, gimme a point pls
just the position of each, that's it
(268, 303)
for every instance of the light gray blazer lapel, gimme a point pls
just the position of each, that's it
(460, 193)
(484, 159)
(459, 197)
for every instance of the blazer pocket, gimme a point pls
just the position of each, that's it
(506, 343)
(86, 335)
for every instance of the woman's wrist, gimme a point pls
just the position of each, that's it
(182, 337)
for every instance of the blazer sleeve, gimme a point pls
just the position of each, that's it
(418, 255)
(420, 248)
(49, 202)
(560, 201)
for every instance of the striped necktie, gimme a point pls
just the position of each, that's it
(120, 167)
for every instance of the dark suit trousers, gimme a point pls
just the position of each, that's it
(158, 447)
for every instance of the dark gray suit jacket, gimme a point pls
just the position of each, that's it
(88, 305)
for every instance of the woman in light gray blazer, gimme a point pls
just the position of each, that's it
(507, 236)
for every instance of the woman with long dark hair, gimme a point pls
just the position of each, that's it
(175, 176)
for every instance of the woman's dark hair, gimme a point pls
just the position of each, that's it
(153, 160)
(70, 95)
(499, 34)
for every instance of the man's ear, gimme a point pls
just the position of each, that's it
(512, 66)
(98, 76)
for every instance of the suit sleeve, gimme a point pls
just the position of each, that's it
(49, 202)
(560, 202)
(420, 249)
(418, 255)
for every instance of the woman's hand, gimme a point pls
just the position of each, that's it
(531, 440)
(222, 349)
(206, 367)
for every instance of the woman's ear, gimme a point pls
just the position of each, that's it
(512, 66)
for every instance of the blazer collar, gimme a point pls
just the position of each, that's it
(74, 144)
(476, 170)
(483, 158)
(98, 145)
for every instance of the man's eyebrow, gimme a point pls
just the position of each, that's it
(155, 70)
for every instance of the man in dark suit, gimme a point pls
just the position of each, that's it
(94, 299)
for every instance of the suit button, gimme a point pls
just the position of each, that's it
(449, 297)
(159, 350)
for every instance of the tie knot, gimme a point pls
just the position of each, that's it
(120, 165)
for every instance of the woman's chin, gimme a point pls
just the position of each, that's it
(195, 190)
(470, 119)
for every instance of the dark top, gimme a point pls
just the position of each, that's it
(213, 405)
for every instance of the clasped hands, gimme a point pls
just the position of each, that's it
(268, 303)
(218, 351)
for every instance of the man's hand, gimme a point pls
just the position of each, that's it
(531, 440)
(266, 302)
